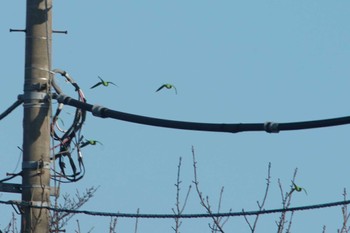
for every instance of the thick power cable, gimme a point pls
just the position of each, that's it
(11, 108)
(269, 127)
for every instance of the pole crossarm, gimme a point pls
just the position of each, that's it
(269, 127)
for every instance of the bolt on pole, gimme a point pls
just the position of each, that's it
(36, 117)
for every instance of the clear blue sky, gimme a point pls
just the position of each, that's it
(232, 62)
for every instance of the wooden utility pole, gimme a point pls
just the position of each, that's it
(36, 118)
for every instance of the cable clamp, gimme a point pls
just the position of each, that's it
(271, 127)
(98, 110)
(61, 98)
(39, 37)
(36, 165)
(18, 30)
(39, 204)
(39, 68)
(38, 86)
(34, 95)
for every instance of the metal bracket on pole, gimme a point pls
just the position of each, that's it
(17, 188)
(38, 86)
(61, 32)
(10, 188)
(39, 204)
(18, 30)
(34, 95)
(36, 165)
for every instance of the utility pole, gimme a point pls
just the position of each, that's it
(36, 118)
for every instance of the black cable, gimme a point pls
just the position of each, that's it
(70, 134)
(11, 108)
(269, 127)
(11, 176)
(167, 216)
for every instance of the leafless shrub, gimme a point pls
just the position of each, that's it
(345, 214)
(179, 209)
(286, 201)
(218, 224)
(12, 226)
(60, 219)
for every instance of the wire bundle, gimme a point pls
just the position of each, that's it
(69, 140)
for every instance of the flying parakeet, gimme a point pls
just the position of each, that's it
(167, 86)
(102, 82)
(90, 142)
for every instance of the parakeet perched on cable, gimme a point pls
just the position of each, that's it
(298, 188)
(167, 86)
(104, 83)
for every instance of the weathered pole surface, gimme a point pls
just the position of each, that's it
(36, 118)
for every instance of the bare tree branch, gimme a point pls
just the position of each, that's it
(290, 222)
(345, 215)
(137, 220)
(204, 202)
(12, 226)
(261, 206)
(60, 219)
(286, 201)
(113, 225)
(78, 225)
(179, 209)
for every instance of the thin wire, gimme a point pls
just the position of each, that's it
(166, 216)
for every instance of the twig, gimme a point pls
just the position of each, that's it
(137, 220)
(286, 201)
(60, 219)
(204, 203)
(346, 215)
(113, 225)
(290, 222)
(78, 231)
(179, 210)
(12, 226)
(261, 206)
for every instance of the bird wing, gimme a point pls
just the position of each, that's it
(100, 78)
(160, 88)
(175, 89)
(113, 83)
(97, 84)
(305, 191)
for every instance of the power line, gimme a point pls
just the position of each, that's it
(11, 108)
(165, 216)
(269, 127)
